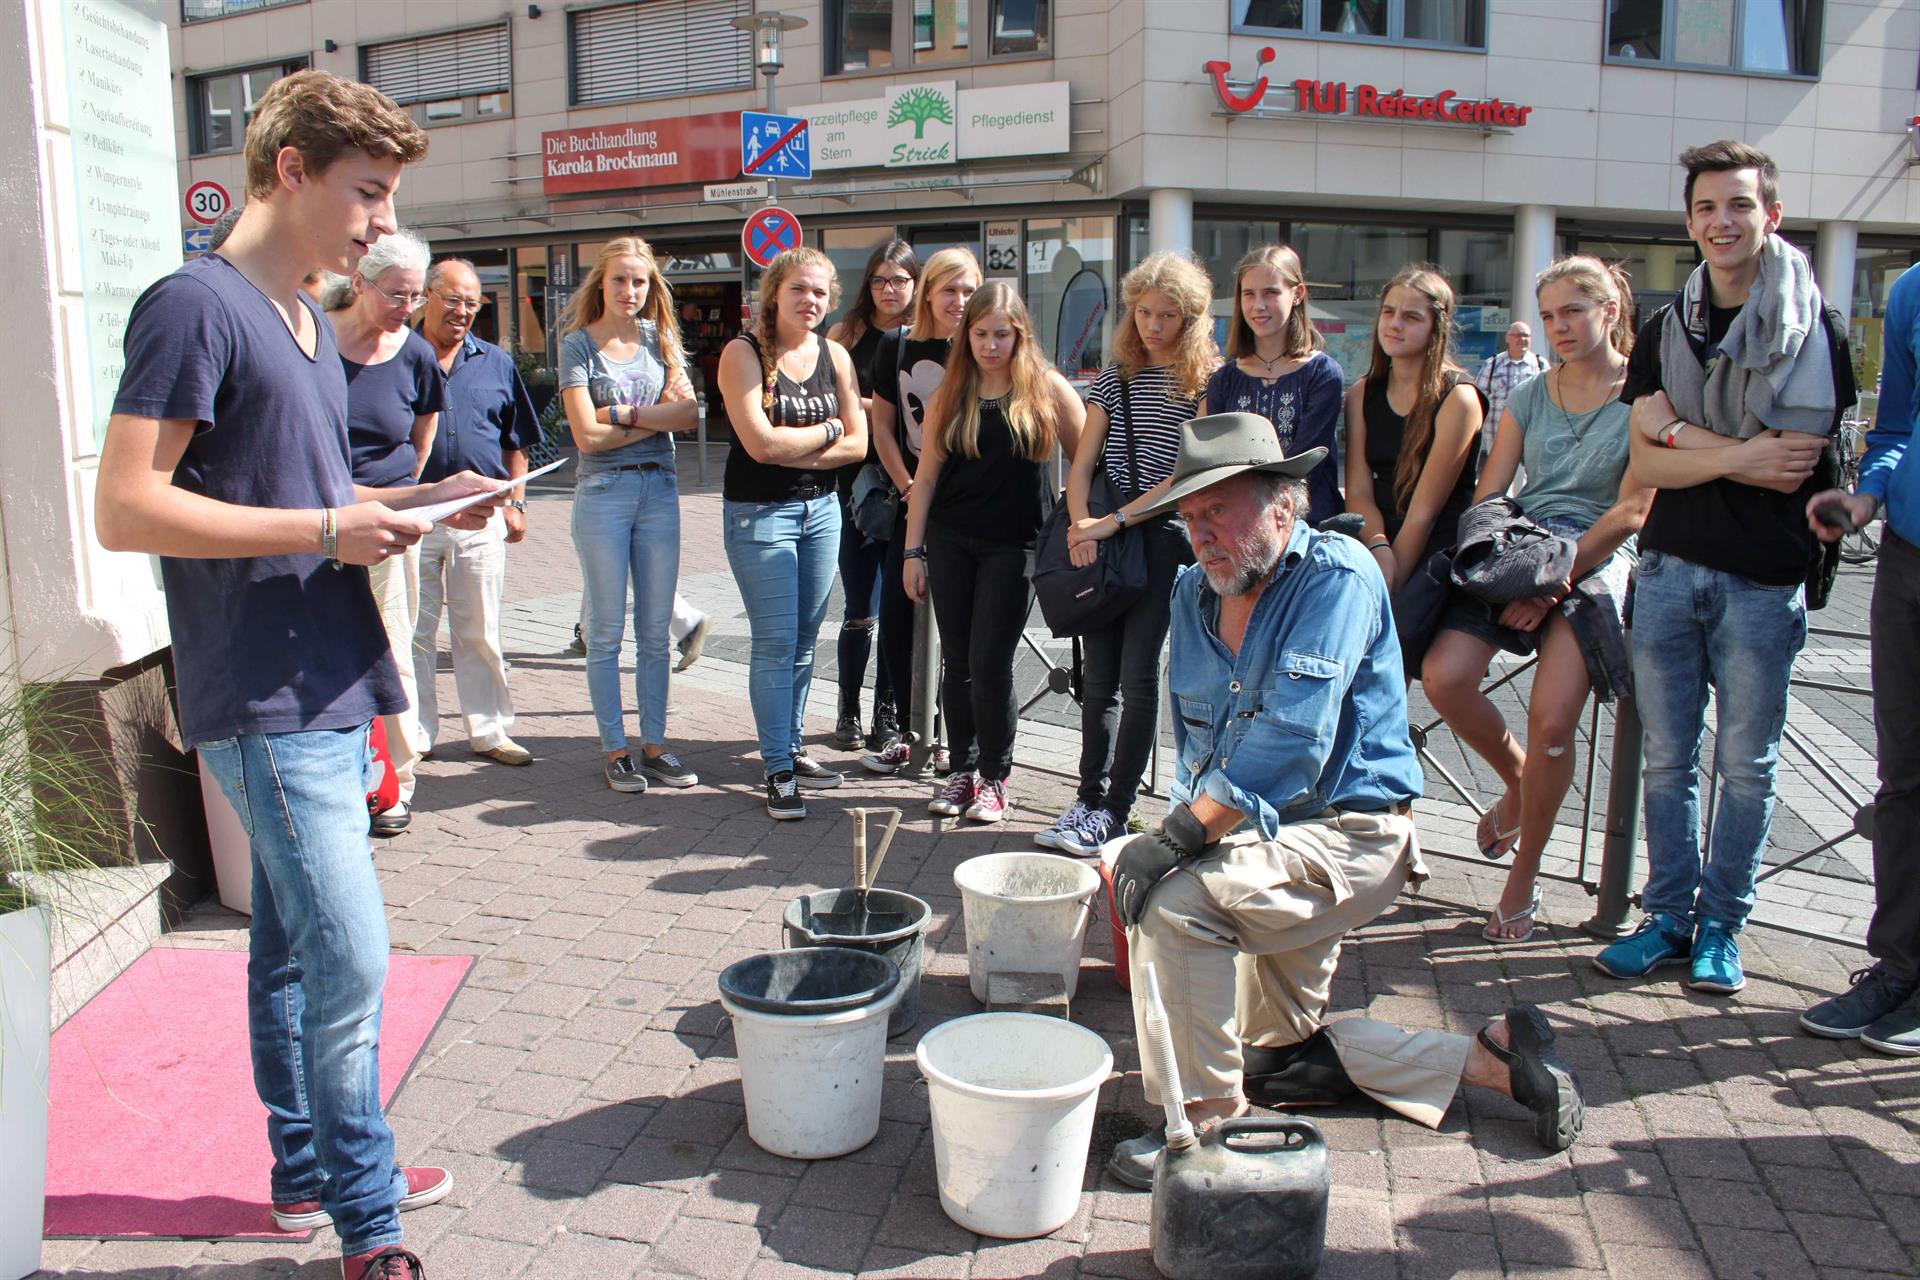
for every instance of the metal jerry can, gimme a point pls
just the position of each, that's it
(1248, 1201)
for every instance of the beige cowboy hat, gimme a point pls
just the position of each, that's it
(1221, 446)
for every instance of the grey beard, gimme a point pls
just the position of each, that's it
(1251, 568)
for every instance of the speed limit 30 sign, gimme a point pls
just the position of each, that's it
(206, 201)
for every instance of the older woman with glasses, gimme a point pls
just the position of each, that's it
(395, 390)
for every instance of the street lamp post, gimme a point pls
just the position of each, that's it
(766, 29)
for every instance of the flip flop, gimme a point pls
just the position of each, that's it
(1541, 1082)
(1501, 844)
(1500, 921)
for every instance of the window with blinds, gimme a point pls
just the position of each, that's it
(655, 47)
(453, 64)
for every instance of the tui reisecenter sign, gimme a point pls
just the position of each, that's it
(1365, 101)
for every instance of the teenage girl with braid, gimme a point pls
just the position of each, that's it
(795, 407)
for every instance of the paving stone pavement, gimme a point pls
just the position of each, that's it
(584, 1089)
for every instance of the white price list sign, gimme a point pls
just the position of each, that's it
(126, 184)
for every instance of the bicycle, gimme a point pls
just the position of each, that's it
(1863, 544)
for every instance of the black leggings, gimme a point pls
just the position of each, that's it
(981, 592)
(1122, 681)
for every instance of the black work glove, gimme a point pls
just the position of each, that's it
(1147, 858)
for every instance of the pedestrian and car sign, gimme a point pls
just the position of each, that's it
(774, 146)
(768, 233)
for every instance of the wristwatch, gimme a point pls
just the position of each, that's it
(914, 553)
(1119, 519)
(517, 505)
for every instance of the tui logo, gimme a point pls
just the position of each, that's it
(1236, 102)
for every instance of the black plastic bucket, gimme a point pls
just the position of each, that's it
(904, 944)
(812, 980)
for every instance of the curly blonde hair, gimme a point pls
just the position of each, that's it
(767, 306)
(1187, 284)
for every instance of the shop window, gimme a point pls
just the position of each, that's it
(1874, 271)
(207, 10)
(1458, 24)
(880, 35)
(849, 248)
(1070, 291)
(219, 106)
(445, 78)
(657, 48)
(530, 320)
(1780, 37)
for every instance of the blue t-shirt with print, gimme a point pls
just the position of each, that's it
(382, 402)
(637, 382)
(261, 644)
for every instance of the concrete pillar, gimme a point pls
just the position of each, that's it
(1534, 247)
(1170, 221)
(1834, 251)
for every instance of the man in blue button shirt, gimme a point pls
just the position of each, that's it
(487, 426)
(1883, 1008)
(1292, 819)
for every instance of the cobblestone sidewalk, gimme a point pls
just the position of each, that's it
(585, 1092)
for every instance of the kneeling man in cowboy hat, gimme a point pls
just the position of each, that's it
(1292, 820)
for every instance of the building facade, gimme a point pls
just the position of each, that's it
(1070, 137)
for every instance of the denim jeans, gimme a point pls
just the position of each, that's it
(626, 527)
(863, 563)
(317, 963)
(1694, 627)
(1122, 682)
(783, 556)
(981, 593)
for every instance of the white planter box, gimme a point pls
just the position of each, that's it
(232, 848)
(25, 1044)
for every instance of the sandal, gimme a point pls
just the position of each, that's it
(1499, 921)
(1497, 846)
(1540, 1082)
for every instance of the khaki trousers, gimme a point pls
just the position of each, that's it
(464, 571)
(1244, 945)
(396, 589)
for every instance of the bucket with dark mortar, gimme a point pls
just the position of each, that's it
(886, 923)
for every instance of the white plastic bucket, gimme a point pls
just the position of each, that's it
(232, 847)
(1025, 913)
(812, 1080)
(1013, 1097)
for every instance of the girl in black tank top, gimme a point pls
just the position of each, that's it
(781, 515)
(1409, 476)
(977, 501)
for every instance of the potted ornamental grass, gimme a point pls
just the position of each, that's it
(58, 821)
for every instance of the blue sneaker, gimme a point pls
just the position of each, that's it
(1716, 959)
(1875, 994)
(1659, 940)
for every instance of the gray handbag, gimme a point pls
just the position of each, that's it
(875, 502)
(1502, 555)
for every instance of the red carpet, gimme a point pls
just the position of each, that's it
(155, 1128)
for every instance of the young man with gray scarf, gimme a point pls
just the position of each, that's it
(1737, 388)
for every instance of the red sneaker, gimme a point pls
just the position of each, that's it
(389, 1262)
(425, 1186)
(989, 801)
(953, 799)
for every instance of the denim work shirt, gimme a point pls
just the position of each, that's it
(488, 412)
(1312, 714)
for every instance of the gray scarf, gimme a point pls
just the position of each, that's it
(1774, 367)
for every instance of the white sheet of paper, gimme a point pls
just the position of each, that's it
(441, 510)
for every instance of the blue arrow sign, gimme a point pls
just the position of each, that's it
(774, 146)
(196, 239)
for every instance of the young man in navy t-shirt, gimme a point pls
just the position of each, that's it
(227, 457)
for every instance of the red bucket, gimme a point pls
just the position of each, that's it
(1122, 969)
